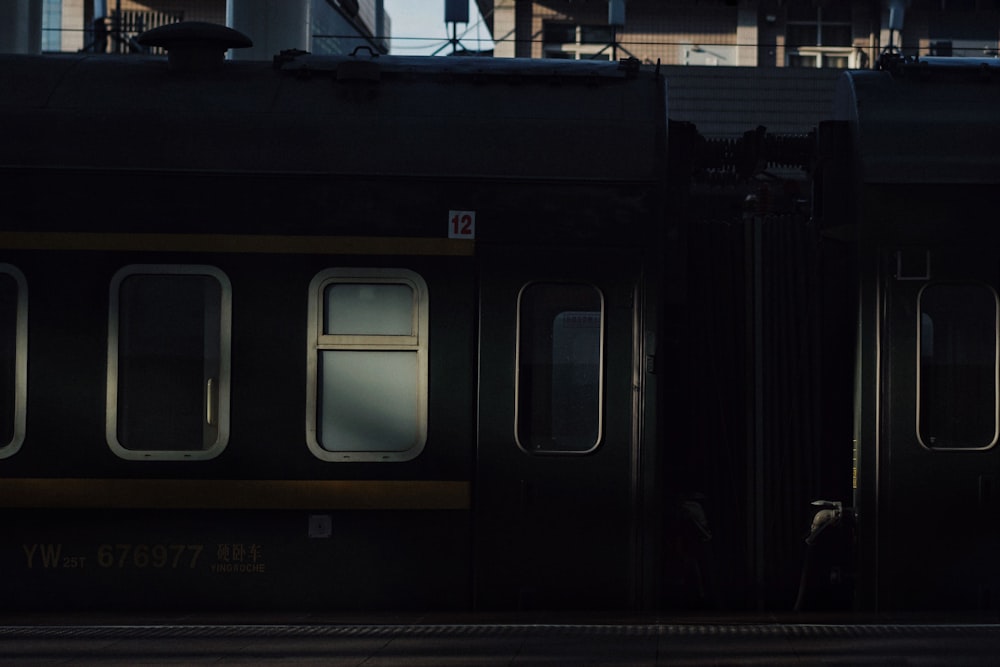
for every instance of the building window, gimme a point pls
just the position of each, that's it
(569, 41)
(560, 348)
(957, 370)
(52, 25)
(367, 365)
(819, 36)
(168, 362)
(13, 359)
(815, 57)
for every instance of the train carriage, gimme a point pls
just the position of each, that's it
(915, 147)
(328, 333)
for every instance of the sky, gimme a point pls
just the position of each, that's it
(418, 28)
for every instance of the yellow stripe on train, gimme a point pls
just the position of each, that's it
(237, 243)
(234, 494)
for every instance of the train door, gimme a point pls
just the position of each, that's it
(939, 451)
(556, 501)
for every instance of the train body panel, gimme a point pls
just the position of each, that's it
(571, 489)
(261, 518)
(313, 115)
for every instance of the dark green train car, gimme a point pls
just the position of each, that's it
(917, 189)
(356, 333)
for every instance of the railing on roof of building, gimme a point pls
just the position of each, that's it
(117, 33)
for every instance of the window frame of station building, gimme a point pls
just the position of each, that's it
(589, 41)
(811, 39)
(14, 356)
(379, 349)
(151, 329)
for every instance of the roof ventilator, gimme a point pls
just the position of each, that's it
(194, 45)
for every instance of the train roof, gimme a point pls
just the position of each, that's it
(361, 114)
(725, 102)
(932, 121)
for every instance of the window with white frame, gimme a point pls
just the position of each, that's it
(819, 36)
(367, 365)
(13, 358)
(168, 362)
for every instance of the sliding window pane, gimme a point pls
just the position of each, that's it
(368, 401)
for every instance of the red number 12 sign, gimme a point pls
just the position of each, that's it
(461, 224)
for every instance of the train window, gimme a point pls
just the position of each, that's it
(957, 372)
(559, 368)
(367, 365)
(168, 362)
(13, 358)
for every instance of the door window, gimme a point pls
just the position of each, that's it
(560, 348)
(957, 371)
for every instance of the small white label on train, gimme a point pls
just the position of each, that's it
(461, 224)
